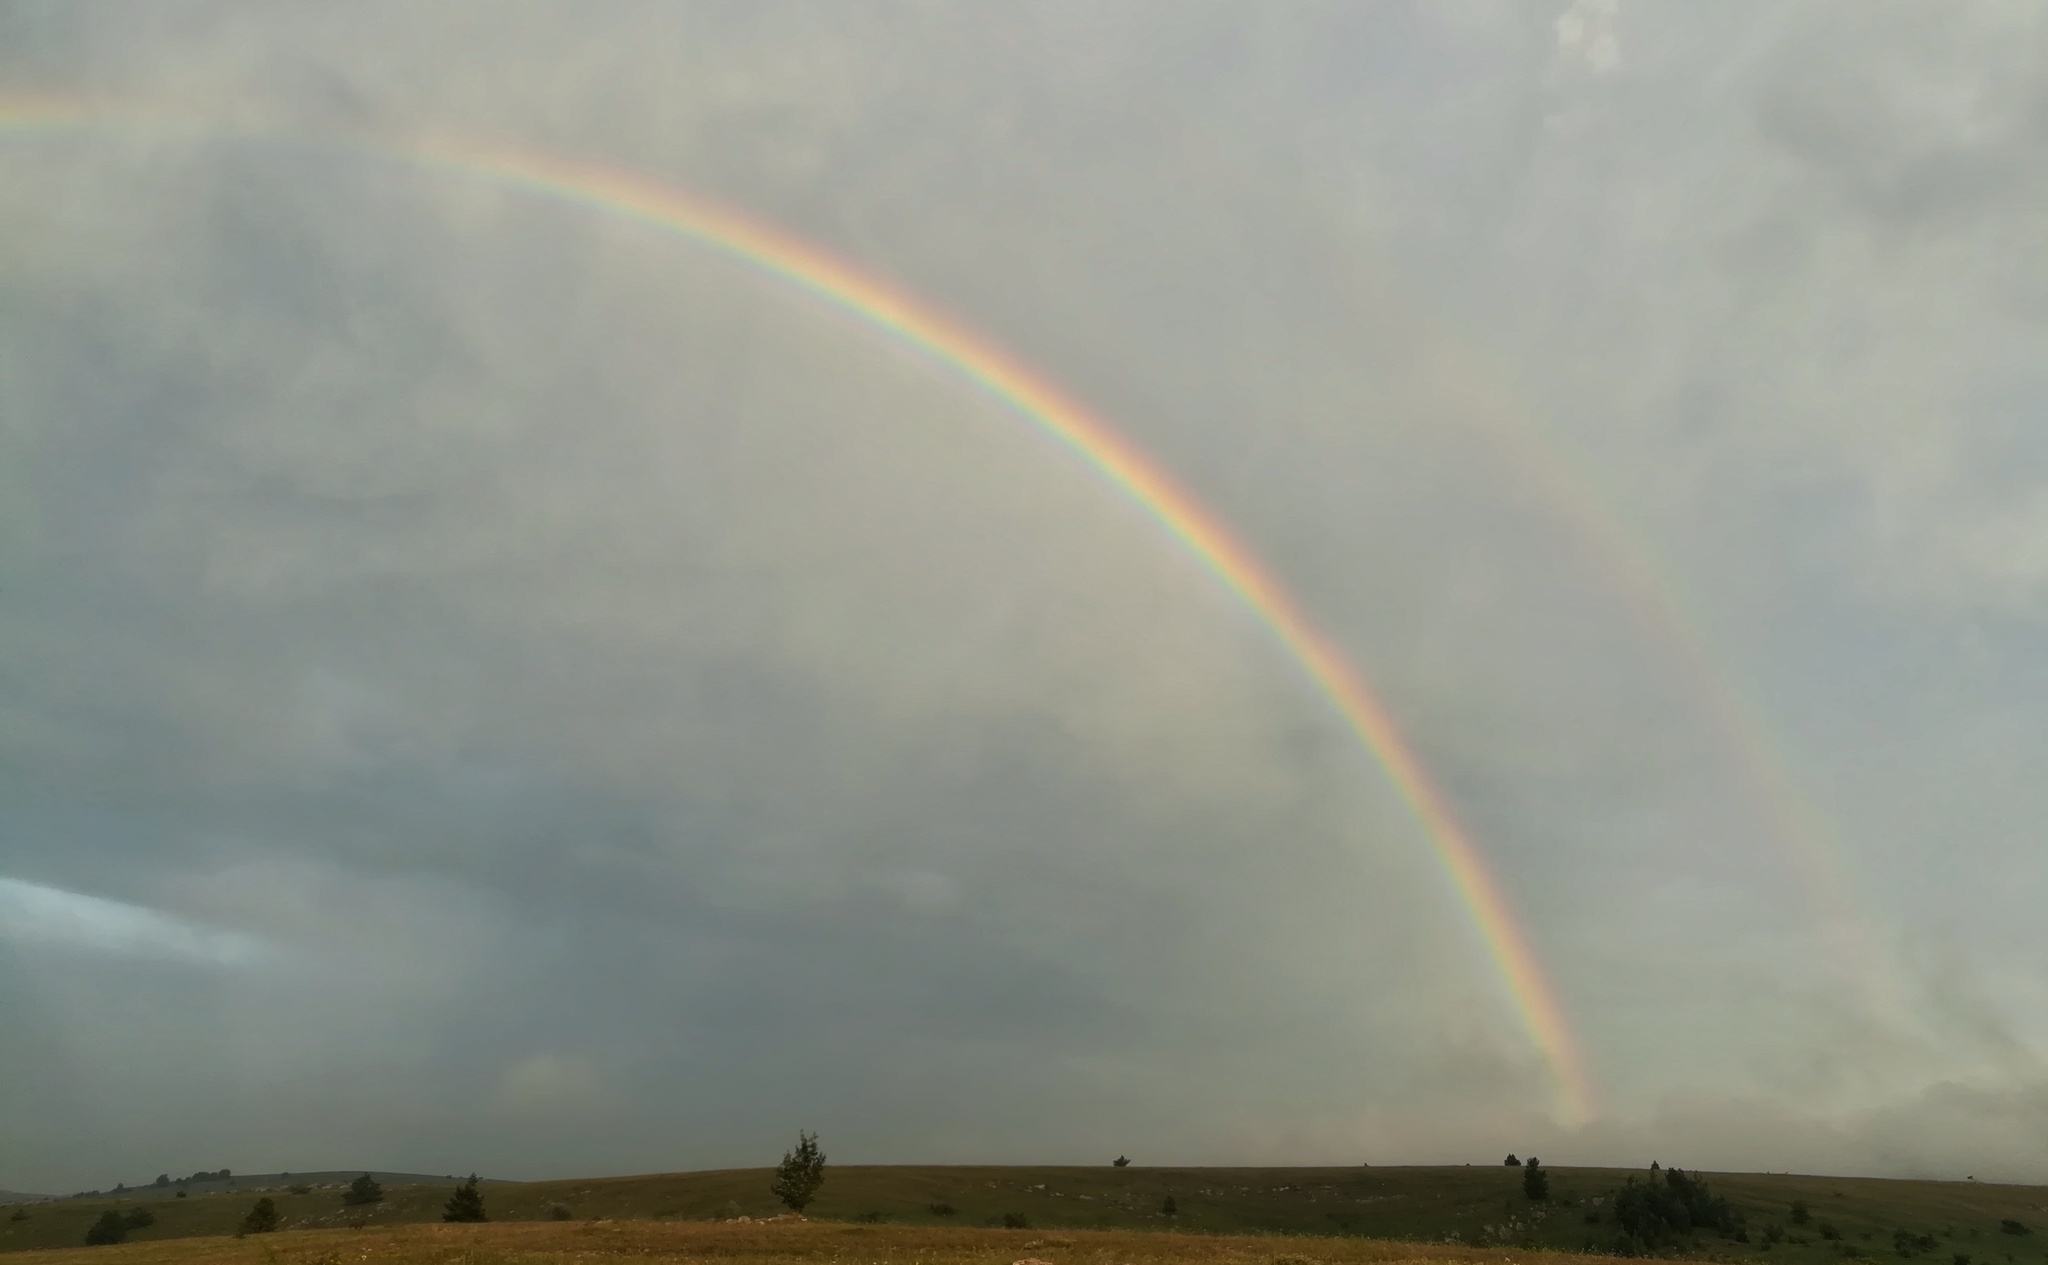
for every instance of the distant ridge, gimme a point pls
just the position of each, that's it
(333, 1178)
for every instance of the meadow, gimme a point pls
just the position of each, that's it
(947, 1213)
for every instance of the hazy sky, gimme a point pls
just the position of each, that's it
(489, 685)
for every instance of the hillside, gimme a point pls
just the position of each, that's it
(1478, 1206)
(779, 1243)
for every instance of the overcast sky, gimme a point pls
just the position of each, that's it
(489, 685)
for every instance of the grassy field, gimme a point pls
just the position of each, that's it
(1478, 1206)
(758, 1243)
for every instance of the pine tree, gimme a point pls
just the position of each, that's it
(1535, 1182)
(262, 1219)
(466, 1204)
(363, 1190)
(801, 1172)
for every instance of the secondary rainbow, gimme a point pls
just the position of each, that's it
(949, 343)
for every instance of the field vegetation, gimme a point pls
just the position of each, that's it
(1769, 1219)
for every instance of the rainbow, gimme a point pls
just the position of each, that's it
(950, 344)
(1809, 847)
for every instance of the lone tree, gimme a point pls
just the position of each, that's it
(1119, 1162)
(800, 1174)
(108, 1229)
(262, 1219)
(1512, 1162)
(1535, 1182)
(466, 1204)
(363, 1190)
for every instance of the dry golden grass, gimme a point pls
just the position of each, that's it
(789, 1242)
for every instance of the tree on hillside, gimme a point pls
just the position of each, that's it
(1512, 1162)
(108, 1229)
(363, 1190)
(1535, 1182)
(466, 1204)
(1119, 1162)
(262, 1219)
(800, 1174)
(1663, 1213)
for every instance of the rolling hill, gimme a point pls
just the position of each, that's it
(1843, 1218)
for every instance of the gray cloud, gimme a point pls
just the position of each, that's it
(638, 705)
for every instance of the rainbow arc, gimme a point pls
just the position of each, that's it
(951, 345)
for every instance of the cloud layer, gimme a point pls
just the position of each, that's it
(630, 712)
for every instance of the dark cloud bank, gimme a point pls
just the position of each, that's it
(484, 685)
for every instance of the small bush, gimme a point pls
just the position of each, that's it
(871, 1218)
(941, 1209)
(299, 1188)
(110, 1228)
(1120, 1162)
(2010, 1226)
(181, 1192)
(1962, 1258)
(1512, 1162)
(262, 1219)
(560, 1212)
(1016, 1221)
(1828, 1231)
(19, 1214)
(1168, 1208)
(1907, 1243)
(139, 1219)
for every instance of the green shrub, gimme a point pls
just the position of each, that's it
(1168, 1208)
(19, 1214)
(1665, 1211)
(299, 1188)
(363, 1190)
(1907, 1243)
(800, 1174)
(262, 1219)
(941, 1209)
(1016, 1221)
(1535, 1182)
(560, 1212)
(1828, 1231)
(110, 1228)
(871, 1217)
(2010, 1226)
(139, 1219)
(466, 1204)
